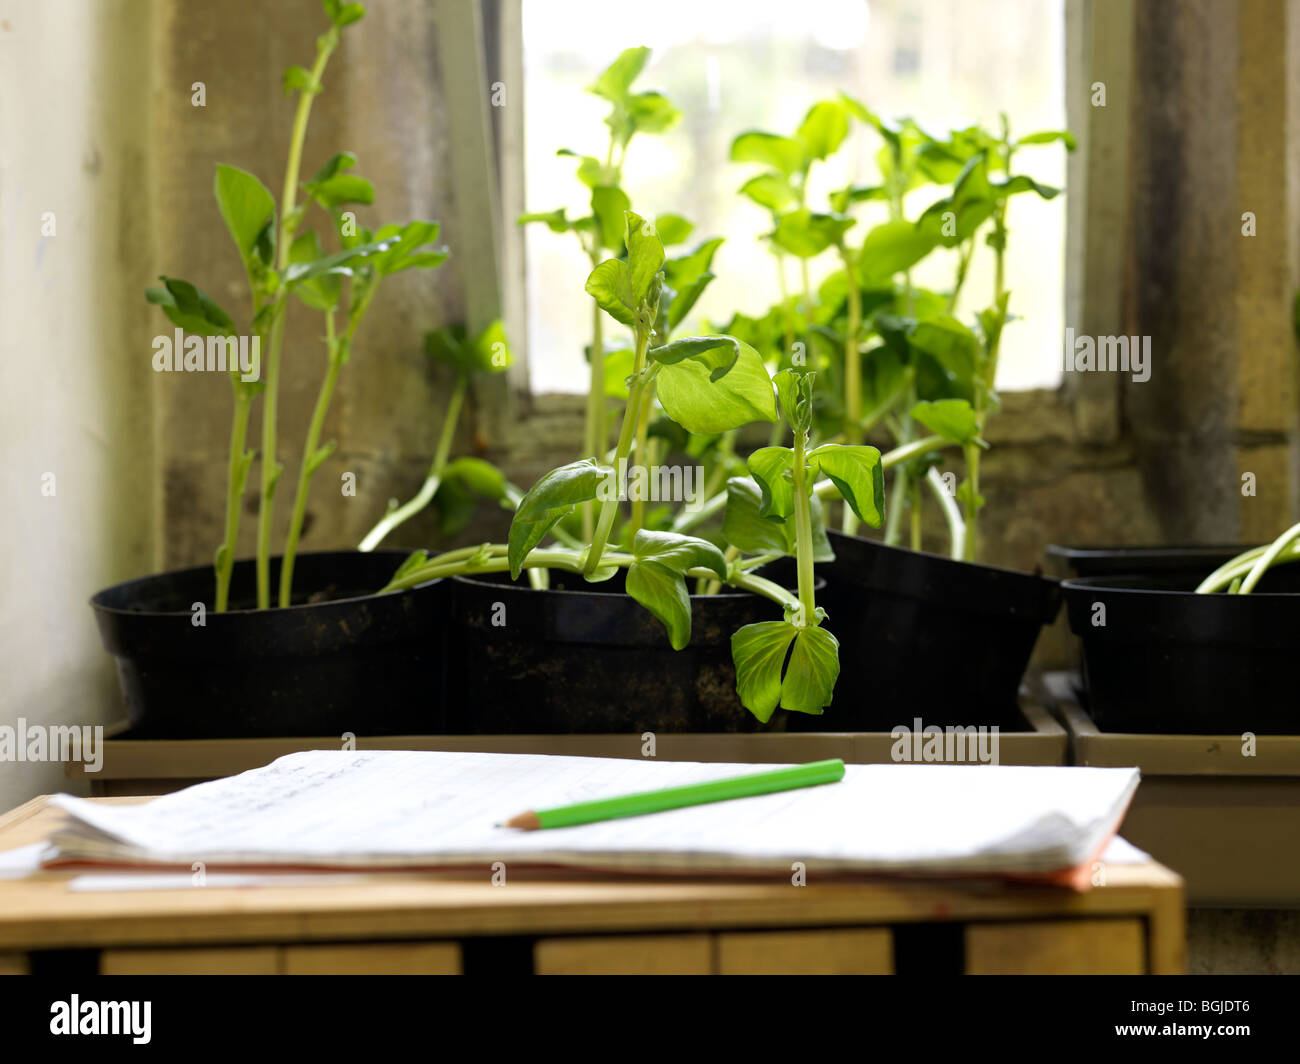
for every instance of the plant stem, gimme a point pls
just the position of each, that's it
(916, 515)
(642, 456)
(1266, 559)
(951, 513)
(595, 405)
(972, 454)
(310, 460)
(463, 562)
(631, 416)
(432, 479)
(236, 476)
(271, 469)
(803, 531)
(852, 380)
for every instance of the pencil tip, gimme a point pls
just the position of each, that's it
(525, 821)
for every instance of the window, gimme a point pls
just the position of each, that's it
(945, 63)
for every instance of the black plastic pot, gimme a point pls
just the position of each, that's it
(1119, 561)
(341, 659)
(587, 658)
(1168, 660)
(926, 636)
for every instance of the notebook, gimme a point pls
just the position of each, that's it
(415, 809)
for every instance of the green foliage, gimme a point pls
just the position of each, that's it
(656, 578)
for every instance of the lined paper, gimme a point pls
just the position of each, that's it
(390, 808)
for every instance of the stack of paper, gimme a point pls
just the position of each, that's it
(413, 809)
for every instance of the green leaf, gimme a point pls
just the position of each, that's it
(759, 652)
(783, 154)
(745, 528)
(490, 351)
(616, 80)
(806, 233)
(794, 392)
(610, 285)
(1023, 183)
(673, 228)
(1048, 137)
(953, 345)
(842, 199)
(656, 581)
(609, 205)
(770, 191)
(652, 112)
(408, 247)
(482, 478)
(764, 680)
(342, 13)
(619, 363)
(336, 163)
(892, 248)
(953, 419)
(857, 473)
(341, 189)
(681, 272)
(773, 470)
(413, 561)
(246, 207)
(556, 220)
(686, 298)
(810, 676)
(645, 255)
(591, 171)
(298, 78)
(190, 308)
(341, 262)
(964, 496)
(319, 293)
(553, 497)
(701, 404)
(718, 353)
(823, 129)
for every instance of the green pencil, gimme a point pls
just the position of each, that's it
(779, 779)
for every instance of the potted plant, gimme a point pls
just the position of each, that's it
(610, 639)
(1168, 652)
(901, 363)
(288, 644)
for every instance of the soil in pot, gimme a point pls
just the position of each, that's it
(587, 658)
(925, 636)
(1157, 657)
(341, 659)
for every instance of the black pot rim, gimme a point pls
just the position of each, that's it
(1069, 551)
(476, 580)
(943, 559)
(127, 586)
(1116, 584)
(1029, 594)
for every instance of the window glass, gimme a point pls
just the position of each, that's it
(761, 64)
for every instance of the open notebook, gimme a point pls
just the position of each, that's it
(415, 809)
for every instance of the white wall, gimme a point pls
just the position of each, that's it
(74, 123)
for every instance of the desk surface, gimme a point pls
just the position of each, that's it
(41, 913)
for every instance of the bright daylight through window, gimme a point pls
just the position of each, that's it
(926, 59)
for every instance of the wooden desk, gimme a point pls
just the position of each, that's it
(432, 924)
